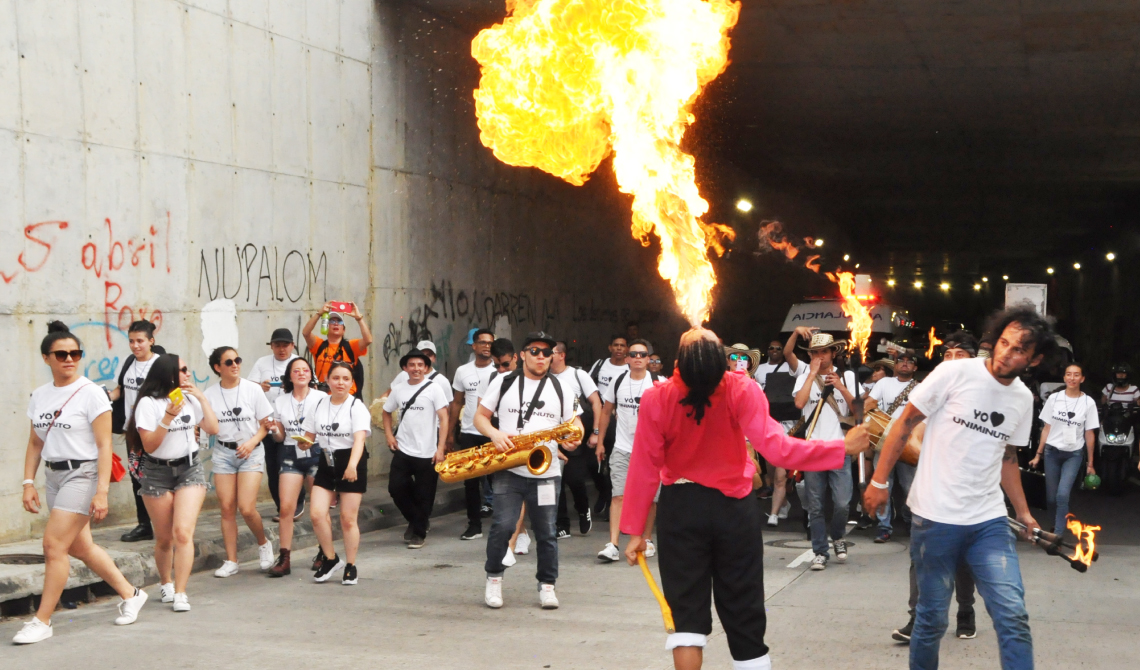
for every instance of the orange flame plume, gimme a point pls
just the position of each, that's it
(859, 314)
(934, 342)
(564, 82)
(1085, 535)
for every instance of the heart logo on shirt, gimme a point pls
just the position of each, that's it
(237, 412)
(1072, 414)
(185, 418)
(996, 418)
(334, 425)
(140, 380)
(539, 404)
(57, 412)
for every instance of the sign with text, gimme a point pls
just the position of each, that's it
(1034, 294)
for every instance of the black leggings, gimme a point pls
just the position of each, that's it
(575, 472)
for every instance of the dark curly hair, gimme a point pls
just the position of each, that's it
(1038, 329)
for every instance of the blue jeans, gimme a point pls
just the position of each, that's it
(815, 485)
(988, 548)
(511, 491)
(904, 474)
(1061, 471)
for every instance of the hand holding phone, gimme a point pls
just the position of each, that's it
(343, 307)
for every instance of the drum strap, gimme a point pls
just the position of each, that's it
(900, 399)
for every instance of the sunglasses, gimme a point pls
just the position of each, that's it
(486, 343)
(62, 356)
(639, 354)
(773, 348)
(232, 361)
(502, 366)
(184, 370)
(545, 352)
(734, 357)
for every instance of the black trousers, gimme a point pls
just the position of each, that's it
(273, 454)
(140, 508)
(411, 483)
(473, 488)
(575, 473)
(711, 545)
(600, 472)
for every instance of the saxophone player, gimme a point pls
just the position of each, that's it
(528, 399)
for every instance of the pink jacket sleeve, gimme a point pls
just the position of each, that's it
(645, 464)
(768, 438)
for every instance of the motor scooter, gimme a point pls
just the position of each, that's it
(1116, 447)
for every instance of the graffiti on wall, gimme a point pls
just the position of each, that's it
(265, 272)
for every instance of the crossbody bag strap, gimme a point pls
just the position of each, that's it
(412, 400)
(902, 397)
(831, 399)
(59, 412)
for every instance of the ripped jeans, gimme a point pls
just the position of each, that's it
(988, 548)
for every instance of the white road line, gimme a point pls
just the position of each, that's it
(802, 558)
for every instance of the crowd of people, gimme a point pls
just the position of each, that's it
(724, 422)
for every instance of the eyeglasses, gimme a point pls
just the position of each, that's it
(502, 366)
(232, 361)
(184, 370)
(545, 352)
(485, 343)
(62, 356)
(639, 354)
(773, 348)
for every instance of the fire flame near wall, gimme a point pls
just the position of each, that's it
(934, 342)
(565, 82)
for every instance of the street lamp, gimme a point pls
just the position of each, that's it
(890, 282)
(846, 257)
(819, 242)
(1005, 277)
(944, 286)
(1049, 270)
(1110, 256)
(918, 283)
(744, 205)
(985, 280)
(1076, 266)
(977, 287)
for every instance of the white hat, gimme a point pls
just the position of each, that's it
(426, 345)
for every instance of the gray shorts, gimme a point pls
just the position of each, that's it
(72, 490)
(157, 480)
(226, 461)
(619, 470)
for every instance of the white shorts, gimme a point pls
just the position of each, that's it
(72, 490)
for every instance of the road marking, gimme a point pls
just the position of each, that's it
(802, 558)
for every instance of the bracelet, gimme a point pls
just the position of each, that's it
(163, 426)
(29, 482)
(880, 486)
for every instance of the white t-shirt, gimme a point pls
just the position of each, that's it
(1068, 419)
(71, 438)
(547, 413)
(828, 426)
(269, 369)
(970, 418)
(436, 377)
(468, 380)
(292, 415)
(577, 382)
(179, 440)
(239, 410)
(1128, 395)
(419, 424)
(132, 382)
(886, 390)
(764, 369)
(336, 425)
(607, 373)
(627, 403)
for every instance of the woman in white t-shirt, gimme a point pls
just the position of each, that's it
(71, 432)
(162, 430)
(239, 457)
(340, 423)
(1070, 424)
(299, 460)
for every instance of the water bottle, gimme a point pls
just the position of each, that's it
(325, 323)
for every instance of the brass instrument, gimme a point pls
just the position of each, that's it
(530, 450)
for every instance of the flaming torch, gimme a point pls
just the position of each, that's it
(934, 342)
(565, 82)
(1084, 551)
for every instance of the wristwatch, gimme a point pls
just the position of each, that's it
(595, 431)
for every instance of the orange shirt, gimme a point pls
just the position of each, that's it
(333, 353)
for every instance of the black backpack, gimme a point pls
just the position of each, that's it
(617, 384)
(119, 407)
(779, 387)
(509, 381)
(345, 353)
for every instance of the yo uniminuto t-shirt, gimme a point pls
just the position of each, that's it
(419, 423)
(468, 379)
(607, 373)
(1068, 419)
(269, 369)
(626, 399)
(336, 426)
(179, 440)
(546, 414)
(73, 407)
(239, 410)
(970, 418)
(292, 413)
(132, 382)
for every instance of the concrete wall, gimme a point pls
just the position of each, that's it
(157, 155)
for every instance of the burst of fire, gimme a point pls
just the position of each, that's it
(564, 82)
(934, 342)
(1086, 536)
(859, 314)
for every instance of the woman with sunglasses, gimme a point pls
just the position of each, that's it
(71, 432)
(299, 459)
(340, 423)
(239, 458)
(161, 430)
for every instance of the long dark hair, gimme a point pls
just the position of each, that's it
(160, 381)
(287, 378)
(57, 331)
(702, 365)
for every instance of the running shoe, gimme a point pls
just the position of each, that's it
(585, 523)
(34, 631)
(473, 532)
(265, 555)
(181, 603)
(819, 562)
(783, 514)
(563, 534)
(840, 551)
(349, 576)
(417, 542)
(328, 567)
(546, 597)
(522, 545)
(167, 591)
(773, 521)
(883, 536)
(493, 594)
(967, 630)
(129, 608)
(650, 549)
(317, 561)
(903, 634)
(864, 522)
(610, 554)
(228, 569)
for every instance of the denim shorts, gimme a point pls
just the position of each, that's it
(306, 467)
(157, 479)
(226, 461)
(72, 490)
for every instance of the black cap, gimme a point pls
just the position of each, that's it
(538, 336)
(415, 353)
(908, 353)
(281, 335)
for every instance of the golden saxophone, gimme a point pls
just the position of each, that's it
(530, 450)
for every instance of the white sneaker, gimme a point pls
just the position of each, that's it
(522, 545)
(34, 631)
(509, 559)
(265, 554)
(493, 595)
(181, 603)
(773, 521)
(129, 608)
(650, 549)
(610, 553)
(840, 551)
(546, 597)
(167, 591)
(228, 569)
(785, 509)
(819, 562)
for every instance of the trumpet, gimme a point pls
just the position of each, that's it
(530, 450)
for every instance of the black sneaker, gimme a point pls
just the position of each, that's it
(137, 534)
(864, 522)
(317, 560)
(903, 634)
(585, 522)
(473, 532)
(328, 567)
(966, 628)
(416, 542)
(349, 576)
(408, 534)
(486, 511)
(563, 534)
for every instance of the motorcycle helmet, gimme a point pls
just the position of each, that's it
(1122, 369)
(1091, 483)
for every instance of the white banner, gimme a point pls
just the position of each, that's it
(828, 315)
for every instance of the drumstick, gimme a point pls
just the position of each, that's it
(666, 611)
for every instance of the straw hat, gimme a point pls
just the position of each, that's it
(885, 363)
(753, 354)
(821, 341)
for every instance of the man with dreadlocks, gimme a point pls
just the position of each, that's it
(690, 437)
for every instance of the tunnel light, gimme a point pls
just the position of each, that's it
(1049, 270)
(1110, 256)
(977, 287)
(890, 282)
(846, 257)
(1076, 266)
(985, 280)
(744, 205)
(819, 242)
(944, 286)
(1005, 277)
(856, 266)
(918, 283)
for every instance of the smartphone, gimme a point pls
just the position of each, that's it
(301, 439)
(343, 307)
(275, 383)
(176, 396)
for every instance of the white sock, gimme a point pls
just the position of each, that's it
(762, 663)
